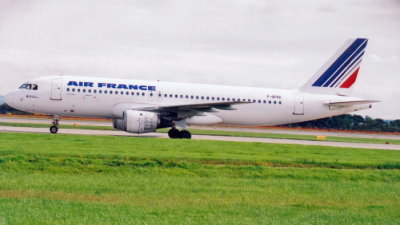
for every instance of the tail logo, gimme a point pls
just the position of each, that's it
(342, 73)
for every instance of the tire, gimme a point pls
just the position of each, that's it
(174, 133)
(53, 129)
(186, 134)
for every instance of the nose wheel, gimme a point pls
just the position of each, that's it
(54, 127)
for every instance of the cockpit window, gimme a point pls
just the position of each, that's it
(29, 86)
(26, 86)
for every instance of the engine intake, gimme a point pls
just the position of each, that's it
(137, 122)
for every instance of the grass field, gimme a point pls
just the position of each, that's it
(73, 179)
(225, 133)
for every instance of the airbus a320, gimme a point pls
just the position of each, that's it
(141, 106)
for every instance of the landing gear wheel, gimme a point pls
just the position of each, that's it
(185, 134)
(174, 133)
(53, 129)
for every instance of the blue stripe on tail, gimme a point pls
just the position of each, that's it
(341, 63)
(348, 70)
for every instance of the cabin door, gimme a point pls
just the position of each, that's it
(298, 104)
(56, 86)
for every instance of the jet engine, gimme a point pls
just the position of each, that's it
(137, 122)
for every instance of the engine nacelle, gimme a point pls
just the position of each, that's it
(137, 122)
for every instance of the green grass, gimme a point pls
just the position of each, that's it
(225, 133)
(73, 179)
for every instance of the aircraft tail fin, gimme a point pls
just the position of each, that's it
(339, 73)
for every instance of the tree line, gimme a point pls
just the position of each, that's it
(351, 122)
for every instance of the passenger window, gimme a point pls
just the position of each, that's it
(111, 92)
(78, 90)
(67, 89)
(90, 91)
(151, 94)
(143, 94)
(105, 92)
(159, 95)
(73, 89)
(100, 91)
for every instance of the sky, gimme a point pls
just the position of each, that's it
(275, 43)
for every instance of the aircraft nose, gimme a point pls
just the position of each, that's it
(11, 99)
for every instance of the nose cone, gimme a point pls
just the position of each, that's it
(11, 99)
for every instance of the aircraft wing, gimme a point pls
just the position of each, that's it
(182, 111)
(350, 103)
(178, 111)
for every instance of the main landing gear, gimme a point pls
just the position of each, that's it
(175, 133)
(54, 127)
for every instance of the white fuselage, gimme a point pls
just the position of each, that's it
(100, 97)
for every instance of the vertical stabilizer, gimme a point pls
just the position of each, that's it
(339, 73)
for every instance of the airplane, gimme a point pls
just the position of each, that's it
(141, 106)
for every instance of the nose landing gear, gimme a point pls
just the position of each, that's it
(54, 127)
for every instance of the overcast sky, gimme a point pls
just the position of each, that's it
(276, 43)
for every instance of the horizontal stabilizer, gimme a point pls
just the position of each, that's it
(350, 103)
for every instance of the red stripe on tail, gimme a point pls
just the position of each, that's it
(350, 81)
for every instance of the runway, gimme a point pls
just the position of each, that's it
(252, 130)
(205, 137)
